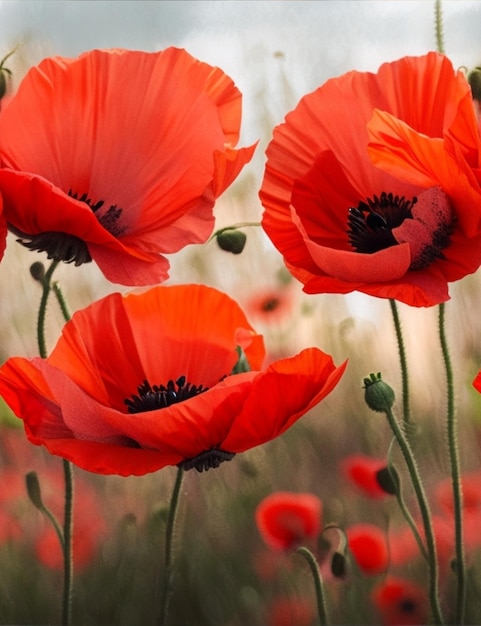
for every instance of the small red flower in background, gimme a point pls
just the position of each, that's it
(285, 520)
(118, 156)
(401, 602)
(269, 306)
(290, 612)
(369, 546)
(370, 183)
(137, 382)
(363, 471)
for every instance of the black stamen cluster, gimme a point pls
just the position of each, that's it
(161, 396)
(58, 246)
(209, 459)
(108, 218)
(370, 224)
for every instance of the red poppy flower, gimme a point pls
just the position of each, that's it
(286, 519)
(401, 602)
(119, 156)
(370, 183)
(139, 382)
(369, 547)
(364, 472)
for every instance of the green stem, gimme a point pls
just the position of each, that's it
(61, 300)
(233, 227)
(408, 455)
(67, 548)
(316, 575)
(439, 26)
(42, 310)
(168, 587)
(65, 538)
(402, 504)
(403, 361)
(455, 474)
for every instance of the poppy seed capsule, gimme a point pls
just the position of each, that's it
(232, 241)
(379, 395)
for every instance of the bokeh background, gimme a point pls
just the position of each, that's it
(275, 51)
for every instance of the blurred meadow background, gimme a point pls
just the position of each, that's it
(275, 52)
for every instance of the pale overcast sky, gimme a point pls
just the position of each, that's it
(266, 47)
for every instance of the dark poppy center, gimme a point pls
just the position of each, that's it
(107, 216)
(152, 398)
(370, 224)
(270, 304)
(425, 222)
(407, 606)
(58, 246)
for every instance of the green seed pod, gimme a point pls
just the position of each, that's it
(379, 396)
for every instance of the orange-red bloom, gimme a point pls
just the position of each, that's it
(369, 546)
(119, 156)
(371, 183)
(142, 381)
(364, 472)
(286, 519)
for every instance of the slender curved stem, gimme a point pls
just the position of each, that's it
(168, 587)
(61, 300)
(42, 310)
(233, 227)
(402, 504)
(68, 537)
(319, 587)
(65, 538)
(408, 455)
(403, 361)
(455, 474)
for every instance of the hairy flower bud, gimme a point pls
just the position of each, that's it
(37, 271)
(379, 395)
(474, 80)
(232, 240)
(388, 480)
(338, 565)
(33, 490)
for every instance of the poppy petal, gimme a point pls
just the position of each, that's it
(280, 395)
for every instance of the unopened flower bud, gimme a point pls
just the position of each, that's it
(338, 565)
(37, 271)
(33, 490)
(232, 240)
(379, 395)
(474, 80)
(388, 480)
